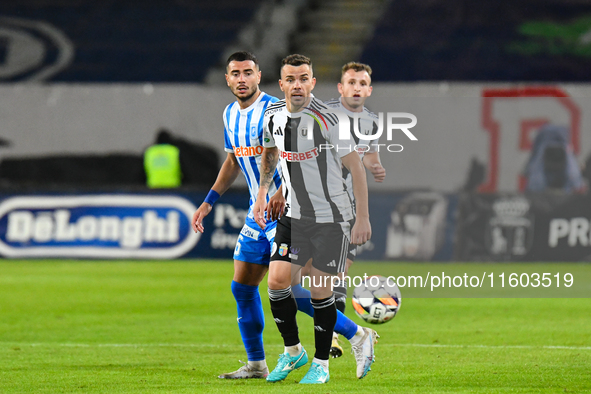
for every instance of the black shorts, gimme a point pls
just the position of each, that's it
(298, 240)
(352, 253)
(352, 247)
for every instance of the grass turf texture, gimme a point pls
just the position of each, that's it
(152, 327)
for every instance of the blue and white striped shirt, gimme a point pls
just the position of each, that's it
(243, 136)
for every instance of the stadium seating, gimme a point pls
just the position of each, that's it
(518, 40)
(136, 41)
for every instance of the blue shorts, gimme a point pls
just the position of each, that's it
(254, 244)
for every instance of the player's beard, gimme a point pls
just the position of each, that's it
(243, 99)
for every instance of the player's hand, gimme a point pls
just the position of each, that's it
(198, 216)
(276, 205)
(258, 210)
(378, 172)
(361, 232)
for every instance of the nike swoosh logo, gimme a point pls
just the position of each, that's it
(289, 367)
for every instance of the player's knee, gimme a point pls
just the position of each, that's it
(277, 283)
(279, 276)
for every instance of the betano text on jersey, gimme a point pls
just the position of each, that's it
(243, 136)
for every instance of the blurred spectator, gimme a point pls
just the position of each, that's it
(199, 162)
(476, 174)
(162, 162)
(552, 164)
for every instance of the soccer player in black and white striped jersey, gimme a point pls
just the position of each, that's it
(316, 223)
(354, 88)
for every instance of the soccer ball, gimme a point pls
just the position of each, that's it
(376, 301)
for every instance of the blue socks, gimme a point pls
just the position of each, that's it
(303, 298)
(251, 320)
(344, 326)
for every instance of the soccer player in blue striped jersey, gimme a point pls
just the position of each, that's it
(243, 133)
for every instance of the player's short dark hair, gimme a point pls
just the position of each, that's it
(242, 56)
(355, 66)
(296, 60)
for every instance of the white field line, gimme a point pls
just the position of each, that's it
(209, 345)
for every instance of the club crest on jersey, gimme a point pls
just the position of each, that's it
(304, 132)
(283, 250)
(254, 132)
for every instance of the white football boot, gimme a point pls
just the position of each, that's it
(364, 352)
(246, 371)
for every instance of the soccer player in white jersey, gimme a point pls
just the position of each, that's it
(243, 121)
(243, 129)
(354, 88)
(317, 215)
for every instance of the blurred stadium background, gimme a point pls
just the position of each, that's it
(86, 85)
(500, 173)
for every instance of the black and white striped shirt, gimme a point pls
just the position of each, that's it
(367, 123)
(310, 154)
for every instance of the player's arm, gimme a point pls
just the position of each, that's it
(371, 159)
(226, 177)
(372, 162)
(269, 159)
(361, 231)
(268, 166)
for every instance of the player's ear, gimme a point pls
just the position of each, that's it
(340, 88)
(369, 91)
(281, 85)
(227, 80)
(313, 82)
(258, 77)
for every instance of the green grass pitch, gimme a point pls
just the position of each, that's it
(170, 327)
